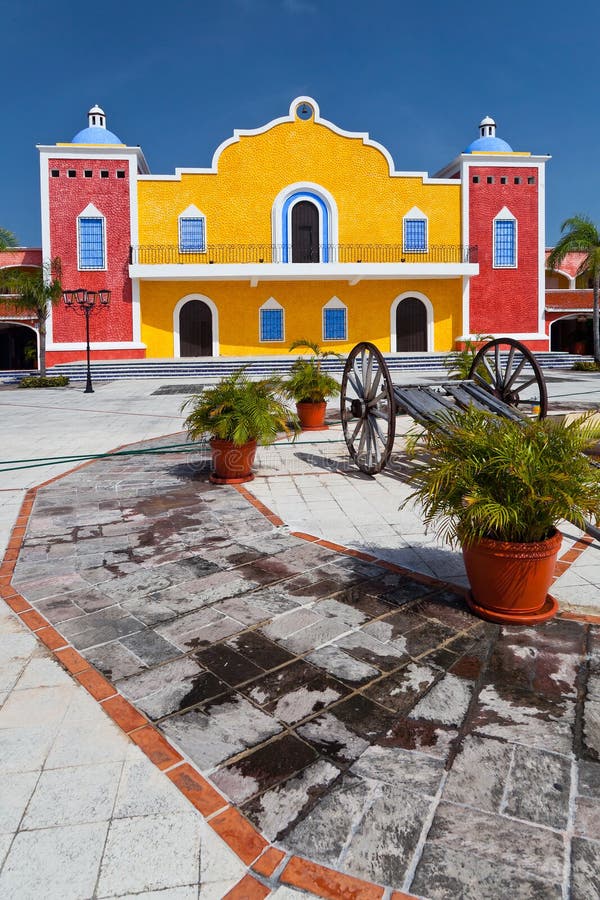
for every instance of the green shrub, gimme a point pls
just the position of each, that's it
(240, 410)
(307, 382)
(43, 381)
(483, 476)
(460, 362)
(585, 366)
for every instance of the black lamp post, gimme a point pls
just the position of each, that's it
(86, 301)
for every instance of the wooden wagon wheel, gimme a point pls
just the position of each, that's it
(368, 408)
(510, 372)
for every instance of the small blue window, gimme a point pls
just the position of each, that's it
(271, 324)
(415, 234)
(192, 235)
(334, 324)
(505, 244)
(91, 243)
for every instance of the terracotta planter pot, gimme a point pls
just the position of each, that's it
(510, 581)
(312, 415)
(232, 464)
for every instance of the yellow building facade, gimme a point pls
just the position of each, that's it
(298, 230)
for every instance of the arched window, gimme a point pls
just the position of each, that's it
(505, 240)
(335, 321)
(414, 231)
(91, 239)
(271, 321)
(192, 231)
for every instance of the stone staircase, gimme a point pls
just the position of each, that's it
(214, 368)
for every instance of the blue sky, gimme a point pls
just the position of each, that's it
(178, 78)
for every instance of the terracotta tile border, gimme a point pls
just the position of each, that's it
(251, 847)
(247, 889)
(269, 861)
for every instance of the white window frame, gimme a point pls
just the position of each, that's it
(415, 213)
(192, 212)
(91, 212)
(505, 215)
(335, 303)
(271, 303)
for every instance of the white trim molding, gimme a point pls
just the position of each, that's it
(95, 345)
(335, 303)
(271, 303)
(215, 322)
(429, 309)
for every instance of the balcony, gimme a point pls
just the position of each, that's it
(277, 262)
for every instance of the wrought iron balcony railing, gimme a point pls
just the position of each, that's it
(244, 254)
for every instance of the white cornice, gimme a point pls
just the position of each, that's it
(94, 151)
(483, 159)
(354, 272)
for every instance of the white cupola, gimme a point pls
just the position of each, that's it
(487, 127)
(96, 117)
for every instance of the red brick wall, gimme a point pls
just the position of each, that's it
(68, 197)
(504, 300)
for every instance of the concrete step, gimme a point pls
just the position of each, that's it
(204, 367)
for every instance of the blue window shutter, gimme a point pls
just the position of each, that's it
(192, 235)
(91, 243)
(334, 324)
(271, 324)
(505, 243)
(415, 234)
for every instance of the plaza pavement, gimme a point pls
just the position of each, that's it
(80, 840)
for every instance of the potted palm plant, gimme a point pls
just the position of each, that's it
(309, 386)
(499, 488)
(235, 414)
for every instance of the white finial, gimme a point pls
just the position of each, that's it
(487, 127)
(96, 117)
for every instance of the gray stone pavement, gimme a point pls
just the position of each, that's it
(39, 423)
(358, 718)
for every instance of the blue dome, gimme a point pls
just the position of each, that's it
(489, 144)
(96, 135)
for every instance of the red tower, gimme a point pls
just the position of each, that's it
(89, 221)
(503, 214)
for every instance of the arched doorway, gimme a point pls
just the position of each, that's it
(195, 329)
(572, 334)
(18, 346)
(411, 326)
(305, 232)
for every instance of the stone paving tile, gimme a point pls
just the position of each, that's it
(446, 873)
(429, 738)
(342, 666)
(73, 795)
(100, 627)
(399, 692)
(219, 730)
(401, 768)
(585, 870)
(66, 858)
(368, 649)
(447, 701)
(381, 848)
(275, 811)
(15, 790)
(331, 738)
(273, 762)
(323, 834)
(538, 788)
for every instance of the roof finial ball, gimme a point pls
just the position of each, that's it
(96, 117)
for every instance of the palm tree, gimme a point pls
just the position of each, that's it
(35, 292)
(582, 235)
(7, 239)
